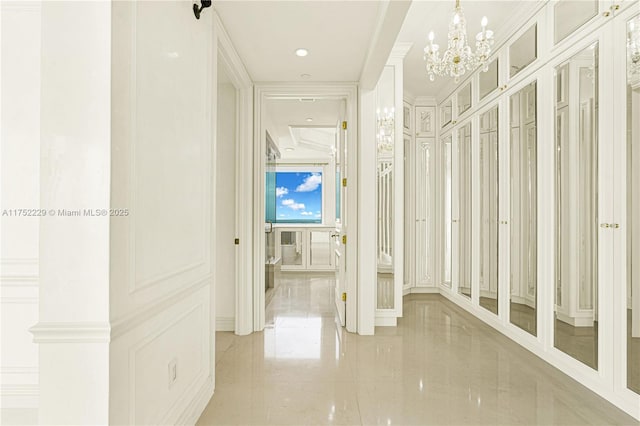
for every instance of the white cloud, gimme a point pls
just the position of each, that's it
(280, 191)
(310, 183)
(292, 204)
(283, 215)
(318, 215)
(306, 213)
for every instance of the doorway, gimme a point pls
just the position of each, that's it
(302, 202)
(225, 190)
(305, 194)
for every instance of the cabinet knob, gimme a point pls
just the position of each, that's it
(605, 225)
(606, 14)
(615, 7)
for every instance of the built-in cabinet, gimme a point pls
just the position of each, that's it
(305, 248)
(420, 130)
(529, 193)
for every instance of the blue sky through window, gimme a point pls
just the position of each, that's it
(299, 197)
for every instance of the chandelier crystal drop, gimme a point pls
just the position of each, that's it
(458, 58)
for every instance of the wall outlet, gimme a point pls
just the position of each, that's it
(173, 372)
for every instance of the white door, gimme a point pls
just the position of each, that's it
(340, 235)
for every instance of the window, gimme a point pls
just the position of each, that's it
(299, 196)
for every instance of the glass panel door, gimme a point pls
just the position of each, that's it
(576, 326)
(464, 210)
(523, 209)
(447, 164)
(633, 205)
(489, 210)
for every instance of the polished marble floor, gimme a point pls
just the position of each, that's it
(439, 366)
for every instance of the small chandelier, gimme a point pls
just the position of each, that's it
(633, 50)
(386, 123)
(458, 58)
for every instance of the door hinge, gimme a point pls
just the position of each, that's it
(344, 239)
(236, 241)
(344, 297)
(344, 125)
(344, 181)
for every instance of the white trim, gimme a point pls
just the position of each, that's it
(225, 323)
(71, 332)
(244, 181)
(138, 317)
(9, 390)
(424, 290)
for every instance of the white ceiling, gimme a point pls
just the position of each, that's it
(266, 33)
(424, 16)
(289, 128)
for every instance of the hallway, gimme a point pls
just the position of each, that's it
(439, 366)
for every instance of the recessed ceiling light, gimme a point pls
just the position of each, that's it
(305, 76)
(288, 149)
(309, 120)
(302, 52)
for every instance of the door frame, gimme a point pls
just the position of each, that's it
(244, 184)
(269, 91)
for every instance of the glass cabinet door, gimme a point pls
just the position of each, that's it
(633, 205)
(576, 180)
(447, 168)
(464, 210)
(488, 194)
(523, 207)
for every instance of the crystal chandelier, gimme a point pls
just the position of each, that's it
(458, 58)
(386, 123)
(633, 50)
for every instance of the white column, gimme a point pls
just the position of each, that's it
(73, 331)
(20, 189)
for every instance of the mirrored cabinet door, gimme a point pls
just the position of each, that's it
(488, 194)
(488, 80)
(569, 15)
(633, 205)
(424, 207)
(576, 313)
(464, 99)
(523, 51)
(445, 113)
(523, 209)
(464, 210)
(447, 209)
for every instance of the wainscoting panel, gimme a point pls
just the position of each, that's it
(159, 367)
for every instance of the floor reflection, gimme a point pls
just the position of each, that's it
(633, 357)
(580, 343)
(439, 366)
(524, 316)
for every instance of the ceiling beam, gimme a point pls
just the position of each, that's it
(391, 16)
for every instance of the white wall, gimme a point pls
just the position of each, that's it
(225, 276)
(161, 254)
(20, 186)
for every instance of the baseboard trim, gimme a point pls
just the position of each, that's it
(424, 290)
(225, 323)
